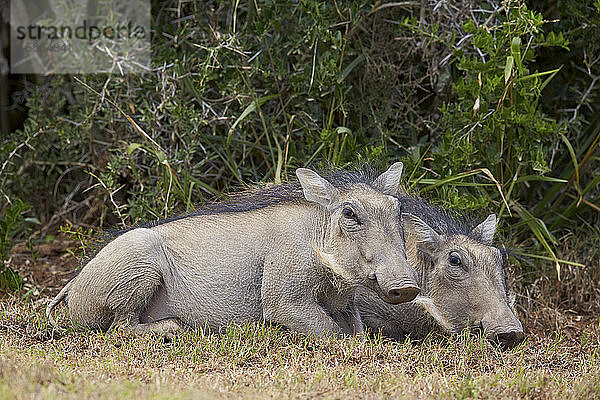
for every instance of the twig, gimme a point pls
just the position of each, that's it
(407, 4)
(586, 202)
(11, 155)
(312, 74)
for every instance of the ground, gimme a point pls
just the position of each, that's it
(258, 361)
(50, 269)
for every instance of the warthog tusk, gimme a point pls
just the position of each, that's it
(428, 305)
(328, 260)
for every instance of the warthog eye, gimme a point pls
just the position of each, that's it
(454, 260)
(348, 213)
(350, 222)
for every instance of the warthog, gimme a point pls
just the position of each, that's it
(289, 254)
(461, 277)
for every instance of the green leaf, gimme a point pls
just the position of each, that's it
(515, 45)
(510, 60)
(540, 178)
(249, 109)
(515, 49)
(560, 260)
(160, 156)
(132, 147)
(548, 79)
(538, 74)
(342, 76)
(574, 160)
(541, 232)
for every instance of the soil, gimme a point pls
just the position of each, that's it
(49, 268)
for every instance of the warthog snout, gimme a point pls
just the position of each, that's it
(508, 340)
(396, 288)
(503, 328)
(403, 294)
(397, 293)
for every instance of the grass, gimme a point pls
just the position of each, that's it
(258, 361)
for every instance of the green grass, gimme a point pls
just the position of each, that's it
(258, 361)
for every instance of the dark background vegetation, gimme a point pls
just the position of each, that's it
(492, 106)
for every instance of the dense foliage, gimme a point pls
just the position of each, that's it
(492, 106)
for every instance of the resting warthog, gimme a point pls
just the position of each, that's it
(289, 254)
(461, 277)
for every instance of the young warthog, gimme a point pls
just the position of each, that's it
(289, 254)
(461, 277)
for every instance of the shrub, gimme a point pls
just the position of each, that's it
(239, 92)
(12, 226)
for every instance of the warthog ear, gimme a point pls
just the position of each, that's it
(316, 188)
(389, 181)
(486, 229)
(414, 225)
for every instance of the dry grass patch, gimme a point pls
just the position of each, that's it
(262, 361)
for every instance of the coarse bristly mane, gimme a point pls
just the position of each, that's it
(265, 195)
(441, 220)
(255, 197)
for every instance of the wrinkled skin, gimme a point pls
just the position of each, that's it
(296, 263)
(463, 285)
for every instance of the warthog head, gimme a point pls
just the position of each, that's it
(363, 243)
(464, 282)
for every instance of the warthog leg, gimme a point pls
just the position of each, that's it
(166, 328)
(350, 321)
(304, 316)
(115, 287)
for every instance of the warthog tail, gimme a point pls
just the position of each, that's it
(60, 297)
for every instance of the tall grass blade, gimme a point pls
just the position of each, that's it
(247, 111)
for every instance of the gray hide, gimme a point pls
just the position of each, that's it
(288, 254)
(461, 277)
